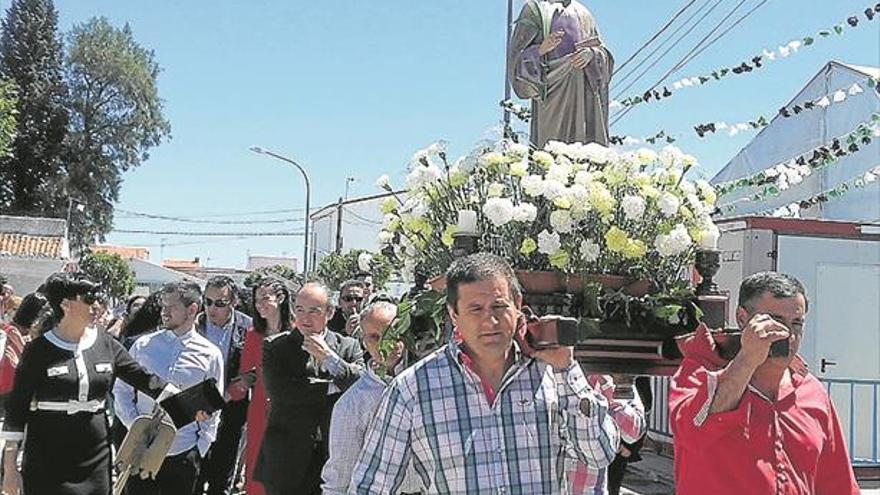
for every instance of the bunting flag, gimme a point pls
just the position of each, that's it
(792, 172)
(705, 129)
(793, 210)
(754, 63)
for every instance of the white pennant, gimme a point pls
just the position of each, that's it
(824, 102)
(839, 96)
(855, 89)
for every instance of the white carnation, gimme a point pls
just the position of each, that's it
(383, 182)
(384, 237)
(633, 207)
(709, 237)
(495, 190)
(646, 156)
(364, 261)
(583, 178)
(676, 242)
(422, 175)
(668, 204)
(548, 243)
(560, 220)
(560, 172)
(543, 159)
(589, 250)
(533, 185)
(670, 155)
(520, 168)
(557, 147)
(597, 153)
(518, 149)
(499, 211)
(525, 212)
(553, 189)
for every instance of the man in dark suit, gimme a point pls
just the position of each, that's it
(305, 370)
(225, 327)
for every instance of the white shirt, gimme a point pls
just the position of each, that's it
(183, 361)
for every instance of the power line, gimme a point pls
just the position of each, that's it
(209, 234)
(747, 14)
(699, 46)
(654, 37)
(212, 222)
(364, 219)
(674, 44)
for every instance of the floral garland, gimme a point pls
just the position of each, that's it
(756, 62)
(793, 210)
(793, 171)
(568, 207)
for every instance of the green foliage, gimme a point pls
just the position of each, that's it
(419, 325)
(31, 60)
(280, 271)
(8, 112)
(335, 269)
(111, 271)
(115, 118)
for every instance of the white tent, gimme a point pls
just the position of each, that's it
(787, 138)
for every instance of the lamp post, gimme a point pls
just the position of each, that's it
(257, 149)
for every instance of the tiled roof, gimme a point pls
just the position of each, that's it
(31, 246)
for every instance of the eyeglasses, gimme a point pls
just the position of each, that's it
(217, 303)
(353, 298)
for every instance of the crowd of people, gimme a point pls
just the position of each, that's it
(312, 405)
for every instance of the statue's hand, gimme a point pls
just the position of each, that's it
(551, 42)
(581, 58)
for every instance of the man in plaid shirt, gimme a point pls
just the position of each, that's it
(478, 415)
(630, 418)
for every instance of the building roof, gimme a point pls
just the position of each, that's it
(125, 252)
(32, 246)
(52, 227)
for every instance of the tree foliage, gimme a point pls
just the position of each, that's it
(336, 268)
(281, 271)
(31, 59)
(111, 271)
(115, 118)
(8, 111)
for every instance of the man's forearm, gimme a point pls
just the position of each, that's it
(732, 383)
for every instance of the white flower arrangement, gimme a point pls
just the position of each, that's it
(568, 207)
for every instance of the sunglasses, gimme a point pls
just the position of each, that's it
(92, 297)
(352, 298)
(217, 303)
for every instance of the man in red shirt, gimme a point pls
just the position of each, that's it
(758, 424)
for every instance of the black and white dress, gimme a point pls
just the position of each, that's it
(59, 398)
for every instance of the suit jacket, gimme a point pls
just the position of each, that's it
(241, 323)
(300, 406)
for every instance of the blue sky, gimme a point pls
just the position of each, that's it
(353, 88)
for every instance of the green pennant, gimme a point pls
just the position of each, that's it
(716, 75)
(724, 71)
(838, 28)
(872, 82)
(825, 33)
(808, 40)
(703, 79)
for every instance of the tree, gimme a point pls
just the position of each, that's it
(31, 58)
(8, 111)
(336, 268)
(115, 119)
(281, 271)
(111, 271)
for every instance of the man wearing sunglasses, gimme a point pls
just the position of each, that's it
(225, 327)
(351, 301)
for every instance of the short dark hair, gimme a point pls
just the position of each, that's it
(352, 283)
(189, 292)
(65, 285)
(362, 274)
(222, 282)
(779, 285)
(29, 310)
(477, 268)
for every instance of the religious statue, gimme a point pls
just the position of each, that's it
(557, 60)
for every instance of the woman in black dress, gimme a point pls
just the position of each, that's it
(60, 391)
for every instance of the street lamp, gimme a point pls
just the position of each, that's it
(257, 149)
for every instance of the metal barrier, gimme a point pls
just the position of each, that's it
(857, 402)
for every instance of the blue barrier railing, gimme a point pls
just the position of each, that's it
(858, 407)
(856, 401)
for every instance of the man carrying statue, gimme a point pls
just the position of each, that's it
(557, 59)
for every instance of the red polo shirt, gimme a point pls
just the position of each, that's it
(793, 446)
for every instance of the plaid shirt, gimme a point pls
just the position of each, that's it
(436, 416)
(630, 419)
